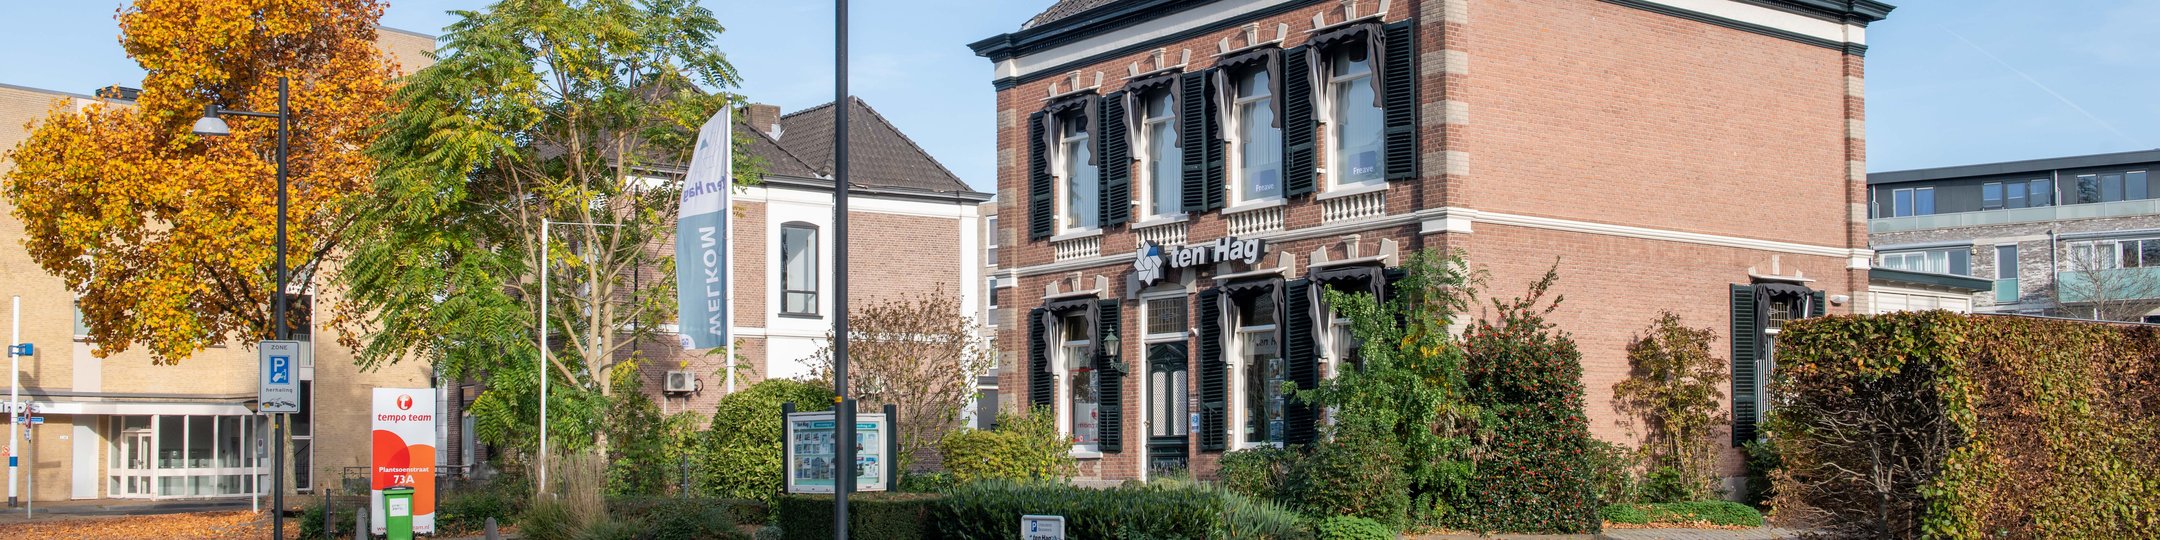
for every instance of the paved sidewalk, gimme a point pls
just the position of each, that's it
(114, 507)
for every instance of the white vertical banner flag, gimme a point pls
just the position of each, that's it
(701, 237)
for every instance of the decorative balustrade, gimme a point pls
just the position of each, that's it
(1255, 221)
(1077, 248)
(1354, 207)
(1168, 234)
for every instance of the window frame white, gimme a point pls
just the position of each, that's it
(1065, 399)
(990, 240)
(1240, 336)
(811, 250)
(1234, 138)
(1072, 131)
(1331, 128)
(1150, 154)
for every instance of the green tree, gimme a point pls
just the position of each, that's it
(1411, 385)
(1525, 376)
(1673, 387)
(566, 110)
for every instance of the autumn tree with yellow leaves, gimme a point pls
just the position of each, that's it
(168, 237)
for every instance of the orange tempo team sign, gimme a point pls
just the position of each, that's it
(404, 454)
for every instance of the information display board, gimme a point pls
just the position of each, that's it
(812, 450)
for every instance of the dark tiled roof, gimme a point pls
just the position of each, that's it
(879, 155)
(778, 161)
(1063, 9)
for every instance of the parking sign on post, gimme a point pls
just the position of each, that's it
(280, 389)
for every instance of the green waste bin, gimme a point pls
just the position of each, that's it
(397, 513)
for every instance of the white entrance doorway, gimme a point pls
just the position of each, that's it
(131, 463)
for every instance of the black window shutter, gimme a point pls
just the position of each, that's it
(1818, 305)
(1214, 378)
(1400, 100)
(1116, 160)
(1301, 365)
(1193, 128)
(1042, 200)
(1212, 177)
(1042, 383)
(1744, 349)
(1298, 123)
(1110, 409)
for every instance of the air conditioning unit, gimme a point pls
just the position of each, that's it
(681, 381)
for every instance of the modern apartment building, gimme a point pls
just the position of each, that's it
(122, 427)
(1180, 179)
(914, 228)
(2072, 236)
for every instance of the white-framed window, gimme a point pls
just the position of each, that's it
(1953, 261)
(1356, 129)
(991, 301)
(1079, 188)
(1255, 141)
(1077, 386)
(798, 269)
(1161, 161)
(990, 241)
(1257, 375)
(1912, 202)
(2112, 254)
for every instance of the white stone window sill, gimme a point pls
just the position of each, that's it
(1076, 234)
(1158, 221)
(1346, 191)
(1262, 204)
(1082, 453)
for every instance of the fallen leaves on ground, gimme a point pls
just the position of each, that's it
(207, 525)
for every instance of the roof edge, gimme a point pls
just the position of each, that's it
(395, 30)
(2015, 167)
(1949, 281)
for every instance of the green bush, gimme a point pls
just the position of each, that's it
(1762, 463)
(1356, 472)
(1256, 472)
(646, 450)
(311, 521)
(1668, 485)
(925, 482)
(896, 516)
(1526, 378)
(2000, 426)
(740, 455)
(1623, 513)
(1352, 528)
(690, 519)
(609, 529)
(1611, 472)
(466, 511)
(990, 510)
(549, 519)
(1021, 448)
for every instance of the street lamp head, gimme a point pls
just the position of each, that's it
(210, 125)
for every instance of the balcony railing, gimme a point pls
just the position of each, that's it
(1077, 248)
(2115, 284)
(1354, 207)
(2141, 207)
(1262, 220)
(1168, 234)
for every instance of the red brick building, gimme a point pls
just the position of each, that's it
(1185, 175)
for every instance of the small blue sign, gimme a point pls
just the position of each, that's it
(280, 370)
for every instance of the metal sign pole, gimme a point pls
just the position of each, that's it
(15, 407)
(844, 481)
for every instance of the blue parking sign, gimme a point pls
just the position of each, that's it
(280, 369)
(280, 389)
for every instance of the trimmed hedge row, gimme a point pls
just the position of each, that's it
(1712, 512)
(884, 515)
(1982, 426)
(992, 510)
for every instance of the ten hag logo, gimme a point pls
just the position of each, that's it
(404, 402)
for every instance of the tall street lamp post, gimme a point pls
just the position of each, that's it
(213, 125)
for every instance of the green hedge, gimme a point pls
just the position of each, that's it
(1023, 447)
(1713, 512)
(895, 516)
(2000, 426)
(991, 510)
(1352, 528)
(739, 456)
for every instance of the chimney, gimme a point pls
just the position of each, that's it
(765, 118)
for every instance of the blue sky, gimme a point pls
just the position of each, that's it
(1949, 81)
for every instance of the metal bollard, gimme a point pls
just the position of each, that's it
(488, 531)
(359, 530)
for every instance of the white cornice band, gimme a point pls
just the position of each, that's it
(1459, 221)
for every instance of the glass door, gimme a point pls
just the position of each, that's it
(1167, 409)
(132, 477)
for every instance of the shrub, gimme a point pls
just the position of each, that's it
(549, 519)
(1021, 448)
(990, 510)
(1623, 513)
(1762, 463)
(467, 510)
(1673, 393)
(1667, 485)
(1526, 378)
(691, 519)
(740, 455)
(311, 521)
(1944, 425)
(608, 529)
(897, 516)
(1714, 512)
(1611, 472)
(1352, 528)
(646, 450)
(1256, 472)
(925, 482)
(1357, 472)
